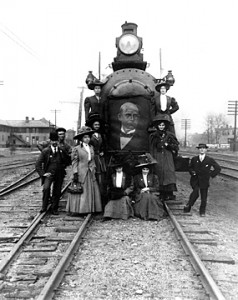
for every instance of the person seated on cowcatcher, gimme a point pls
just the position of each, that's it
(120, 187)
(147, 204)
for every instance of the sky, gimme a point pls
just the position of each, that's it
(47, 48)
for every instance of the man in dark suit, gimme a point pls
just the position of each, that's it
(51, 165)
(201, 168)
(165, 105)
(94, 104)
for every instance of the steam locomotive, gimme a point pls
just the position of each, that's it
(128, 94)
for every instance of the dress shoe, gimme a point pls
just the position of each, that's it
(187, 208)
(55, 212)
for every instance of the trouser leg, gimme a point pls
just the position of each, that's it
(193, 196)
(46, 192)
(58, 182)
(203, 200)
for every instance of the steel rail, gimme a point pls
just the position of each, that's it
(13, 166)
(49, 289)
(209, 283)
(16, 182)
(8, 191)
(35, 222)
(5, 263)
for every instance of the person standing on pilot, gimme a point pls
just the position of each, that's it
(201, 169)
(164, 147)
(98, 142)
(164, 105)
(94, 103)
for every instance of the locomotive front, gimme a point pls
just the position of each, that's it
(127, 96)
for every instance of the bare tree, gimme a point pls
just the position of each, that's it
(214, 124)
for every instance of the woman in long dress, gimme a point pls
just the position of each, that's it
(147, 205)
(98, 142)
(163, 147)
(83, 172)
(120, 187)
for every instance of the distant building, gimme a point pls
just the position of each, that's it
(26, 133)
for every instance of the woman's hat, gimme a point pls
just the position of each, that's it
(96, 82)
(93, 117)
(160, 84)
(116, 162)
(145, 160)
(83, 131)
(201, 145)
(161, 118)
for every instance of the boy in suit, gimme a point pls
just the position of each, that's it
(201, 168)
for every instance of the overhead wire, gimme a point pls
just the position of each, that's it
(12, 36)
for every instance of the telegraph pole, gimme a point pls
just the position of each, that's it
(160, 62)
(99, 66)
(80, 104)
(80, 107)
(186, 125)
(232, 111)
(55, 111)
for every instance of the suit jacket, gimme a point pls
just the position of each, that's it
(115, 193)
(137, 143)
(202, 171)
(92, 105)
(43, 161)
(152, 181)
(172, 107)
(80, 163)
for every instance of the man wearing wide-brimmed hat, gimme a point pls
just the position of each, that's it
(94, 104)
(164, 104)
(83, 172)
(201, 168)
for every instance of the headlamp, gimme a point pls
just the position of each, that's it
(129, 44)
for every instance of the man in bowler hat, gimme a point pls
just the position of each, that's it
(201, 168)
(51, 165)
(61, 136)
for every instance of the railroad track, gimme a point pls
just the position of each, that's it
(36, 250)
(23, 181)
(193, 236)
(23, 253)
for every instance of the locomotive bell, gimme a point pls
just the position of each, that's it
(170, 78)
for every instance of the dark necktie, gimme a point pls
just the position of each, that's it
(55, 151)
